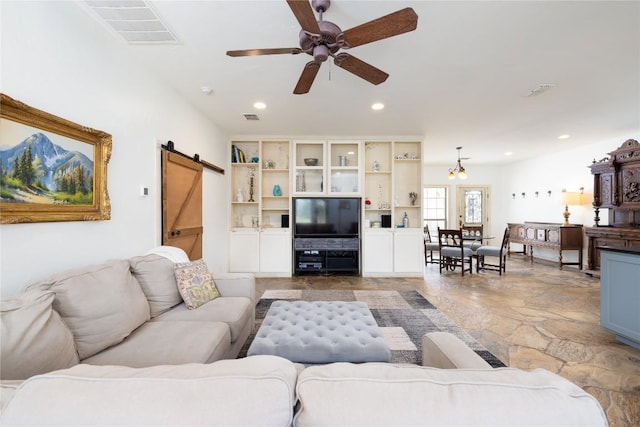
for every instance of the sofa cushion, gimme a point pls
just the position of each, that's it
(158, 282)
(195, 283)
(34, 339)
(167, 343)
(445, 350)
(257, 390)
(101, 304)
(8, 389)
(234, 311)
(387, 394)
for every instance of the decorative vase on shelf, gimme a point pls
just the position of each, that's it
(239, 196)
(277, 191)
(301, 185)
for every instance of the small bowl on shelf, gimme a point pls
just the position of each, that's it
(311, 161)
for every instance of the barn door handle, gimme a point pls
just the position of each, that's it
(175, 233)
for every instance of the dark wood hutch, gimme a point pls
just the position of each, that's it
(616, 187)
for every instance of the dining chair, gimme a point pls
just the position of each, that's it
(493, 251)
(472, 236)
(452, 251)
(430, 247)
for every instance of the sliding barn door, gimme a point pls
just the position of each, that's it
(182, 204)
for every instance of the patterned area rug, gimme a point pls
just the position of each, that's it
(403, 316)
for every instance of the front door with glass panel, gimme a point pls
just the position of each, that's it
(473, 207)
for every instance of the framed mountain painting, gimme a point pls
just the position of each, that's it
(50, 168)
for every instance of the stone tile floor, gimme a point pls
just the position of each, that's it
(534, 316)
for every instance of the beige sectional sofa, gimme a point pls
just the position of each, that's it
(114, 345)
(123, 312)
(272, 391)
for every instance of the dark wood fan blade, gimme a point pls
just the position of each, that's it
(304, 14)
(307, 77)
(399, 22)
(254, 52)
(360, 68)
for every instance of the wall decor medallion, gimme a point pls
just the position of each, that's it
(51, 169)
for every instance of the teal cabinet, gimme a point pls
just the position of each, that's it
(620, 293)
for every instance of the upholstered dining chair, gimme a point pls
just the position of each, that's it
(430, 247)
(492, 251)
(452, 251)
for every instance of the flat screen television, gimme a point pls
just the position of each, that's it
(326, 217)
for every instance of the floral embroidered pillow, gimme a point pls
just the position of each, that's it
(195, 283)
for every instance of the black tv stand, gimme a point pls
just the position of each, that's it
(321, 255)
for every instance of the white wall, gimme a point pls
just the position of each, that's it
(56, 59)
(565, 169)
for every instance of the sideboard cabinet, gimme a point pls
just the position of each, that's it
(548, 235)
(616, 188)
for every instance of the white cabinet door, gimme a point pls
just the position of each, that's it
(244, 256)
(377, 251)
(275, 251)
(408, 247)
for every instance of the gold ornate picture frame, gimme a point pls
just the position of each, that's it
(51, 169)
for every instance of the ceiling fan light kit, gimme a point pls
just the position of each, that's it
(323, 39)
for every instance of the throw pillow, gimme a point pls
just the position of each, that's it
(195, 283)
(35, 340)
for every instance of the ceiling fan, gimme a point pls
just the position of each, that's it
(322, 39)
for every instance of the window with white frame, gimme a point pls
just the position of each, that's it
(435, 208)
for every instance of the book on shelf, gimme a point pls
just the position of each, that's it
(237, 155)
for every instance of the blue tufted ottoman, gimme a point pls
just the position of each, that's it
(321, 332)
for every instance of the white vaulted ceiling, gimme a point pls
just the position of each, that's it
(465, 77)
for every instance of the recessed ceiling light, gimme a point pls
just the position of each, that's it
(508, 153)
(377, 106)
(564, 136)
(206, 90)
(260, 105)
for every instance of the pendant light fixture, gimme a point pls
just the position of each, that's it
(459, 169)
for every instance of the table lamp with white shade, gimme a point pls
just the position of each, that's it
(570, 198)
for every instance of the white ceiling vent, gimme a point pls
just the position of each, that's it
(251, 116)
(134, 20)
